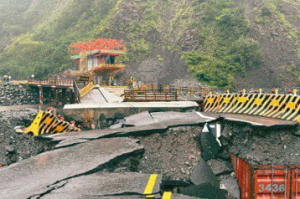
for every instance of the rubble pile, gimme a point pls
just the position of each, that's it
(263, 146)
(15, 146)
(17, 95)
(174, 153)
(191, 161)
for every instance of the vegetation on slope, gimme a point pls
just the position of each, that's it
(214, 38)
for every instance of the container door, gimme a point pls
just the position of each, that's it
(295, 193)
(272, 182)
(244, 179)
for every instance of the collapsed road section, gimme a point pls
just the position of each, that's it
(163, 155)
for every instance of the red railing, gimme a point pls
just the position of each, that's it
(51, 82)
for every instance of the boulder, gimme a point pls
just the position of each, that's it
(220, 166)
(202, 173)
(231, 185)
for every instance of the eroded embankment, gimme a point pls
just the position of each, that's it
(259, 145)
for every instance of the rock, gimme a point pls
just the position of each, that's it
(230, 184)
(205, 190)
(220, 166)
(18, 127)
(224, 155)
(202, 173)
(209, 145)
(19, 131)
(10, 149)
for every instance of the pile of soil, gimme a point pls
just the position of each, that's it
(173, 153)
(13, 146)
(264, 146)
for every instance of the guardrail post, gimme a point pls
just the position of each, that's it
(41, 98)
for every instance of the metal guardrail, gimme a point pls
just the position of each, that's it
(150, 95)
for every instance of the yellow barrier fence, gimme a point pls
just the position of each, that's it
(280, 106)
(86, 89)
(46, 123)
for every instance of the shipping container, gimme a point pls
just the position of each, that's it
(266, 181)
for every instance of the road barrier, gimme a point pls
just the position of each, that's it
(86, 89)
(280, 106)
(46, 123)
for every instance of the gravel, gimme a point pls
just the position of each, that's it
(173, 153)
(13, 146)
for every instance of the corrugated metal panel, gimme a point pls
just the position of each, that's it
(266, 181)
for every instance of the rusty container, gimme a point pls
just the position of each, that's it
(266, 181)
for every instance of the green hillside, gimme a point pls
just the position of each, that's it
(221, 43)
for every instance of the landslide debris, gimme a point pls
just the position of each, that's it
(264, 146)
(14, 146)
(173, 153)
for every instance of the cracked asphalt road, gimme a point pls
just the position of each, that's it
(105, 185)
(39, 175)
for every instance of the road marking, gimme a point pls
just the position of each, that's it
(150, 185)
(167, 195)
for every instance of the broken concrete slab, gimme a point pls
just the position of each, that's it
(171, 115)
(220, 166)
(209, 145)
(96, 134)
(46, 171)
(69, 142)
(139, 119)
(205, 190)
(104, 185)
(202, 173)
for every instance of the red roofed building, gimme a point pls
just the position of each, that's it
(97, 57)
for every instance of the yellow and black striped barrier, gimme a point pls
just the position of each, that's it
(46, 123)
(280, 106)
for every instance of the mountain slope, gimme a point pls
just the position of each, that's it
(222, 43)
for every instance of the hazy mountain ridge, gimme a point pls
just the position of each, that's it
(227, 44)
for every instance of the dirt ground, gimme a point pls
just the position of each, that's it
(13, 146)
(173, 153)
